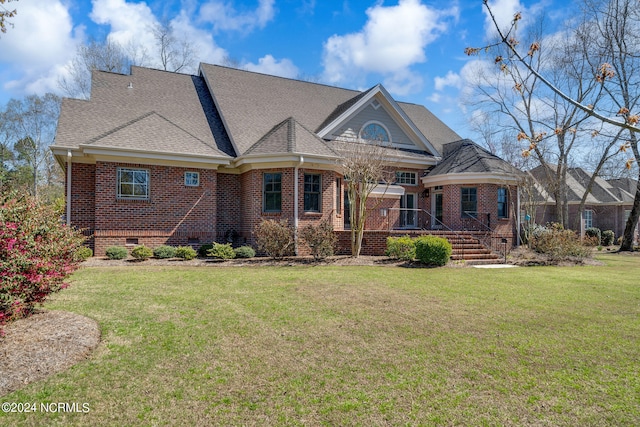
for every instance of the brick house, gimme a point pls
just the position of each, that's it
(607, 206)
(163, 158)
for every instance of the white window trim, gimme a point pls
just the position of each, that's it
(128, 196)
(375, 122)
(415, 178)
(588, 222)
(197, 174)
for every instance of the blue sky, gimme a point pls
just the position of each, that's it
(413, 47)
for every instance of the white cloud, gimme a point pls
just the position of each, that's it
(131, 23)
(224, 16)
(504, 12)
(132, 26)
(393, 39)
(451, 79)
(41, 40)
(201, 40)
(269, 65)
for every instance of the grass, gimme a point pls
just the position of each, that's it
(352, 346)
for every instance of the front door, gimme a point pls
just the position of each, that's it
(408, 215)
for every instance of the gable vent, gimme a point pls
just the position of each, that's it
(375, 104)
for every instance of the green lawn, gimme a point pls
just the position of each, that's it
(363, 346)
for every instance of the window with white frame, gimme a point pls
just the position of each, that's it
(406, 178)
(374, 131)
(587, 214)
(133, 183)
(192, 179)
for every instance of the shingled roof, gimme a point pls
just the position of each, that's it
(465, 156)
(149, 110)
(251, 104)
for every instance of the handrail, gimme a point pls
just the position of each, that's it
(457, 234)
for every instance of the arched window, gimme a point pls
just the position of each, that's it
(374, 131)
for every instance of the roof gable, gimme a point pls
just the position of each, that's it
(406, 134)
(290, 136)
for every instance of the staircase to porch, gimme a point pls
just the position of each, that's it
(467, 247)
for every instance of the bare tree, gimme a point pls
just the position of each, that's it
(107, 56)
(175, 53)
(608, 34)
(365, 166)
(33, 121)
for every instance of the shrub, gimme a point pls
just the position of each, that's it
(185, 252)
(433, 250)
(403, 248)
(222, 251)
(594, 235)
(84, 253)
(141, 252)
(558, 243)
(244, 252)
(37, 254)
(275, 238)
(203, 250)
(116, 252)
(164, 252)
(320, 238)
(608, 236)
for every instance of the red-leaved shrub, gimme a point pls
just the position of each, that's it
(37, 254)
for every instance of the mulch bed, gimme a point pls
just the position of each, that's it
(44, 344)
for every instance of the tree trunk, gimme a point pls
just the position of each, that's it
(630, 228)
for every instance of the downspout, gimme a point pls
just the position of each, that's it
(69, 155)
(296, 203)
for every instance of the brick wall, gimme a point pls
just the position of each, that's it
(83, 210)
(174, 213)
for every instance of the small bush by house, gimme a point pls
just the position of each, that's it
(558, 243)
(185, 252)
(116, 252)
(403, 248)
(142, 252)
(222, 251)
(608, 236)
(203, 250)
(594, 236)
(84, 253)
(164, 252)
(432, 250)
(244, 252)
(320, 238)
(275, 238)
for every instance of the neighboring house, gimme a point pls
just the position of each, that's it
(607, 206)
(156, 157)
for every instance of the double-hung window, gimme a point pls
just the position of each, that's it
(133, 183)
(311, 192)
(503, 206)
(272, 192)
(469, 201)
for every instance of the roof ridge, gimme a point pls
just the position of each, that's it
(267, 135)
